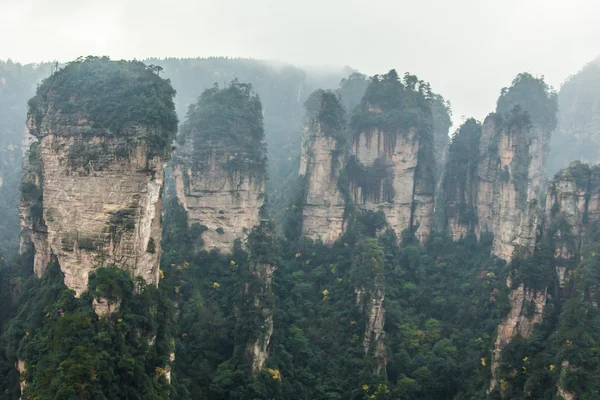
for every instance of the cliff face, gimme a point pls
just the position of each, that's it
(387, 166)
(501, 191)
(257, 348)
(383, 161)
(100, 204)
(571, 208)
(93, 177)
(323, 209)
(227, 204)
(220, 169)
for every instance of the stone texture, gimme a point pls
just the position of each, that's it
(103, 307)
(410, 206)
(400, 156)
(518, 322)
(101, 202)
(323, 209)
(217, 199)
(257, 349)
(509, 210)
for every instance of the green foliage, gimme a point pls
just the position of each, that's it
(324, 107)
(460, 179)
(116, 97)
(534, 97)
(352, 89)
(231, 121)
(69, 352)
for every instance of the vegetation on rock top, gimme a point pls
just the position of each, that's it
(226, 123)
(116, 97)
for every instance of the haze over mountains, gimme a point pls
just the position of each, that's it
(243, 228)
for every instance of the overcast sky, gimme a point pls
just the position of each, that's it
(467, 49)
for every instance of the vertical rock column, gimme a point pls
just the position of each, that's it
(320, 165)
(92, 185)
(220, 165)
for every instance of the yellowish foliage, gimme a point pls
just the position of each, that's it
(275, 374)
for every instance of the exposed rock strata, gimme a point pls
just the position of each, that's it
(257, 349)
(220, 169)
(518, 323)
(323, 209)
(227, 204)
(374, 336)
(506, 192)
(404, 196)
(383, 171)
(101, 206)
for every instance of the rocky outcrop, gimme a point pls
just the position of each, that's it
(92, 183)
(527, 310)
(502, 191)
(384, 176)
(227, 204)
(323, 206)
(258, 347)
(383, 162)
(572, 202)
(374, 336)
(220, 165)
(100, 206)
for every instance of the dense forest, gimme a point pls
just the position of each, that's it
(376, 314)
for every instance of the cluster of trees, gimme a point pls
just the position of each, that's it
(69, 352)
(117, 97)
(227, 124)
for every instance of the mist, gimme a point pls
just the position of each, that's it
(467, 49)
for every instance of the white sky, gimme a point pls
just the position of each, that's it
(467, 49)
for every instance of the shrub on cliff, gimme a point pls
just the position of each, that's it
(114, 96)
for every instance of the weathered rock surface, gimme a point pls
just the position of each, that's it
(403, 195)
(323, 209)
(519, 321)
(101, 206)
(257, 349)
(508, 187)
(374, 337)
(220, 168)
(405, 198)
(227, 204)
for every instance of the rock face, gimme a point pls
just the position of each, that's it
(100, 206)
(389, 164)
(227, 204)
(572, 202)
(257, 348)
(323, 208)
(374, 336)
(518, 323)
(502, 190)
(383, 162)
(220, 168)
(93, 177)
